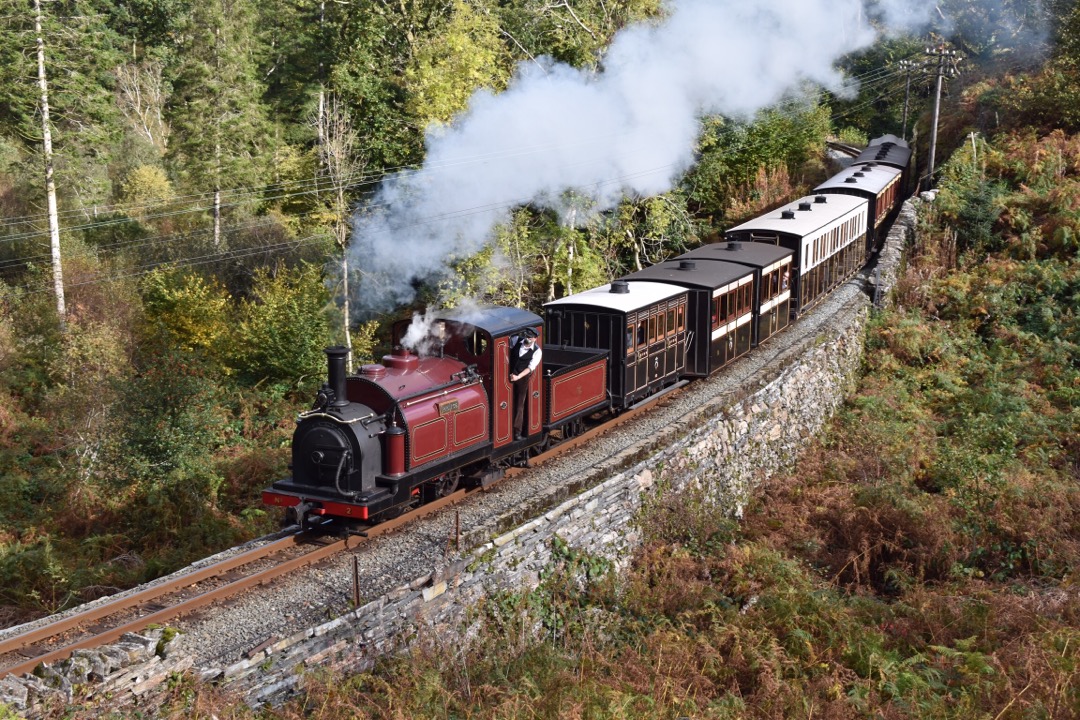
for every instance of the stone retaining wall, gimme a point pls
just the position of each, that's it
(729, 445)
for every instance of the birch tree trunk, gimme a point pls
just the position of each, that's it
(337, 150)
(50, 183)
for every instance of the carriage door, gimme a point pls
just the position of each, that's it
(675, 323)
(535, 401)
(502, 406)
(637, 365)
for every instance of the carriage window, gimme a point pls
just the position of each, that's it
(661, 327)
(629, 339)
(745, 299)
(592, 323)
(671, 321)
(652, 329)
(641, 333)
(681, 318)
(716, 313)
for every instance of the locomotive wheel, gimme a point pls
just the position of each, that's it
(442, 486)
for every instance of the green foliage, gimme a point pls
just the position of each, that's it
(368, 79)
(448, 66)
(283, 329)
(172, 419)
(877, 107)
(574, 36)
(187, 312)
(732, 154)
(221, 134)
(853, 136)
(145, 187)
(81, 51)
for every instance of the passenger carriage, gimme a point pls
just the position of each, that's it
(719, 309)
(886, 150)
(773, 278)
(879, 185)
(827, 234)
(643, 324)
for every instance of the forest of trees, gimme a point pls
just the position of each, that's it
(207, 158)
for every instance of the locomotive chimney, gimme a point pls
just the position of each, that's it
(335, 361)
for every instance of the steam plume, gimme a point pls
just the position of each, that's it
(628, 129)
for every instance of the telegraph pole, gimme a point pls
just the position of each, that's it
(942, 55)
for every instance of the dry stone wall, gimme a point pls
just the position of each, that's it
(727, 446)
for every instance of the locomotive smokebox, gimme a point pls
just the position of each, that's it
(335, 361)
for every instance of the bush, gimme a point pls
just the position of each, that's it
(283, 329)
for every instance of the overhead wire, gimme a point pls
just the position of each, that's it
(877, 78)
(304, 186)
(227, 255)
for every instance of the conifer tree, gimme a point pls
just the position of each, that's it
(221, 132)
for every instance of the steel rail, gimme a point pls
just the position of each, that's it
(20, 642)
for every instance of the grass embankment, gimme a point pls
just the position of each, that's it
(920, 563)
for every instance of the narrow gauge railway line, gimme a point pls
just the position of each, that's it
(187, 593)
(183, 594)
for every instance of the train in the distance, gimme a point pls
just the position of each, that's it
(417, 425)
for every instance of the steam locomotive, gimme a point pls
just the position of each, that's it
(425, 420)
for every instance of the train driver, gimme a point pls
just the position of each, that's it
(525, 357)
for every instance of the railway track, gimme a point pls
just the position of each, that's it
(184, 594)
(191, 592)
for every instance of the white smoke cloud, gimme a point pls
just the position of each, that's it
(900, 16)
(628, 129)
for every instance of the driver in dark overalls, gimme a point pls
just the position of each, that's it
(524, 358)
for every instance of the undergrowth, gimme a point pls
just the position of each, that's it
(919, 564)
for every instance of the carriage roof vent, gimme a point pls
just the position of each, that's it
(804, 206)
(620, 287)
(734, 245)
(821, 199)
(687, 265)
(787, 215)
(860, 174)
(871, 164)
(852, 180)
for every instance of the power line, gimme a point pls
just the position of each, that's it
(310, 185)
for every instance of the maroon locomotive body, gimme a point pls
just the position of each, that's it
(436, 412)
